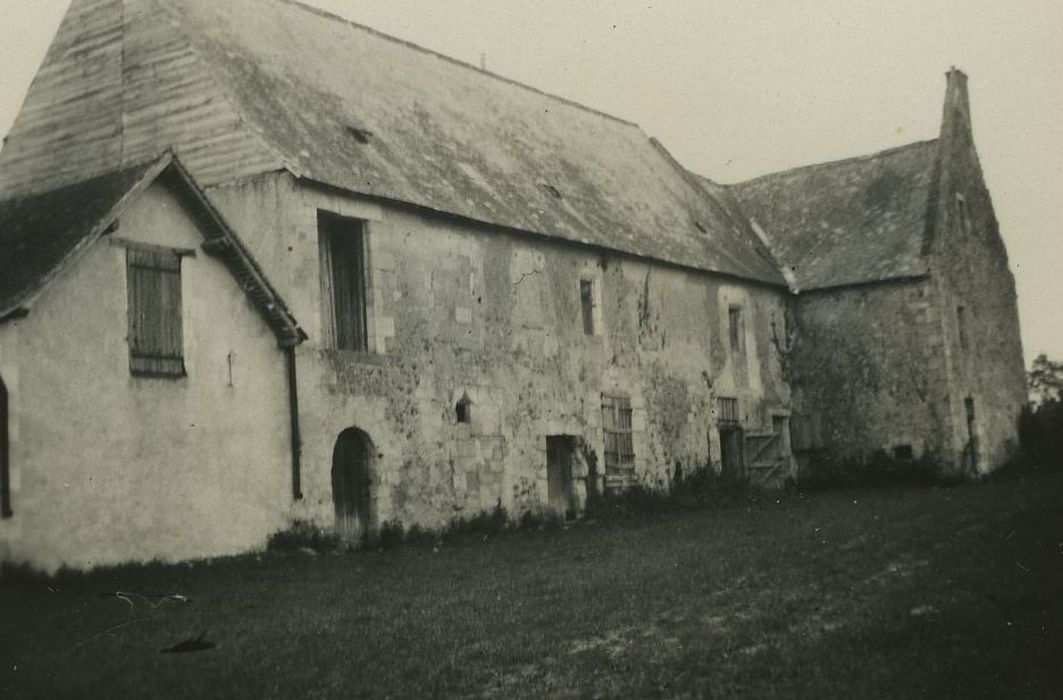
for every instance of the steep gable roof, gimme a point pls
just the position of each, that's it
(854, 221)
(41, 234)
(243, 87)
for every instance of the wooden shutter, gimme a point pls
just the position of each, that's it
(156, 342)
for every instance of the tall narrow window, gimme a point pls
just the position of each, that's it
(619, 444)
(586, 298)
(343, 279)
(5, 455)
(156, 344)
(961, 323)
(736, 328)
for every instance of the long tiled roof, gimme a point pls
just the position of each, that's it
(853, 221)
(244, 87)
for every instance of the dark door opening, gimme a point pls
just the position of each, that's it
(972, 435)
(559, 458)
(5, 456)
(732, 453)
(350, 484)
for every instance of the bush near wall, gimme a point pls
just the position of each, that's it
(1041, 434)
(877, 469)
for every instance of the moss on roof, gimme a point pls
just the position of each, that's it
(853, 221)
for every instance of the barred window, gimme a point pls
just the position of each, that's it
(619, 446)
(727, 411)
(156, 344)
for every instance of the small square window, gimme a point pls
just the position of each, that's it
(463, 410)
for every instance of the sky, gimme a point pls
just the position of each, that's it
(738, 89)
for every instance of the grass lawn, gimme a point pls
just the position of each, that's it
(890, 593)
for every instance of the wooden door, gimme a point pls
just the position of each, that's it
(732, 453)
(350, 485)
(559, 449)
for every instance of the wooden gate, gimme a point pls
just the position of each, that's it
(769, 454)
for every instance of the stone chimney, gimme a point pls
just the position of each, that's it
(956, 119)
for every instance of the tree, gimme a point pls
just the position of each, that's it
(1045, 381)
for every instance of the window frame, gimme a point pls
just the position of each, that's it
(332, 229)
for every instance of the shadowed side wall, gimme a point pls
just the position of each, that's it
(983, 343)
(868, 373)
(111, 468)
(456, 309)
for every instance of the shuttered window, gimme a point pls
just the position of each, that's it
(619, 445)
(156, 344)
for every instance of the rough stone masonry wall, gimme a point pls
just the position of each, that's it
(985, 361)
(867, 367)
(456, 309)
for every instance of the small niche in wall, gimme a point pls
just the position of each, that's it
(463, 409)
(903, 453)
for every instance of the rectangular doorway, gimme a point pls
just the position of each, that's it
(560, 455)
(732, 453)
(972, 435)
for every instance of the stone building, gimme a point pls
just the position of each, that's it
(905, 336)
(245, 283)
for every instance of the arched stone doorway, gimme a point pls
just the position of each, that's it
(351, 464)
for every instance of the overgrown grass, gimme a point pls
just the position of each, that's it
(900, 592)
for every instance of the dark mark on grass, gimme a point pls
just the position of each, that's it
(190, 645)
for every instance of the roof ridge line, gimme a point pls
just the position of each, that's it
(457, 61)
(810, 166)
(690, 178)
